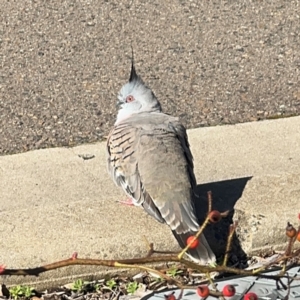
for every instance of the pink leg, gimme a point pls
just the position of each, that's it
(127, 201)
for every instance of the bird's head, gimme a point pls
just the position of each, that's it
(135, 97)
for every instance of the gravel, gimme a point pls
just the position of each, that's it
(209, 62)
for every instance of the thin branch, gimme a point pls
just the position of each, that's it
(166, 277)
(232, 229)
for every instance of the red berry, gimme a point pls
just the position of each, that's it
(298, 236)
(2, 268)
(228, 290)
(214, 216)
(250, 296)
(192, 241)
(203, 291)
(170, 296)
(290, 230)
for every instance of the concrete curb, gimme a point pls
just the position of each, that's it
(54, 202)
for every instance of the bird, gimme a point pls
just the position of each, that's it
(149, 157)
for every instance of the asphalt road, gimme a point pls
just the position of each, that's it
(209, 62)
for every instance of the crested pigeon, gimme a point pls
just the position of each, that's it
(149, 157)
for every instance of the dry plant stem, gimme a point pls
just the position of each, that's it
(149, 245)
(287, 253)
(232, 229)
(181, 293)
(95, 262)
(135, 261)
(214, 292)
(165, 252)
(284, 258)
(296, 253)
(209, 198)
(211, 281)
(151, 250)
(167, 278)
(277, 261)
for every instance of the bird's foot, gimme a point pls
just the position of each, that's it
(128, 201)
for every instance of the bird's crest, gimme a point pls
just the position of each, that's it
(135, 96)
(133, 74)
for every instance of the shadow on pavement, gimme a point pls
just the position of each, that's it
(225, 194)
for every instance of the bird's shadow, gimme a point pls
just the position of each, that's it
(224, 194)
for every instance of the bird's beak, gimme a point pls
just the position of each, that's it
(118, 104)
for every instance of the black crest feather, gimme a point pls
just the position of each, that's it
(133, 75)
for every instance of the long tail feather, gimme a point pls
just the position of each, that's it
(202, 254)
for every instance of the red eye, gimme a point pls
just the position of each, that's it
(129, 99)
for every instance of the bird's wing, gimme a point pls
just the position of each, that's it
(150, 158)
(122, 163)
(166, 170)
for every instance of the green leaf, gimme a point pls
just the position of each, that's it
(132, 287)
(111, 283)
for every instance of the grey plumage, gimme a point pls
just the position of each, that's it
(150, 158)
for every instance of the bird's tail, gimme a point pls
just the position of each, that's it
(202, 254)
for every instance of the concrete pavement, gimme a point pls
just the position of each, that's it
(53, 202)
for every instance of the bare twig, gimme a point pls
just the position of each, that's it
(232, 229)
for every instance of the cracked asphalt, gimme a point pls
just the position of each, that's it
(209, 62)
